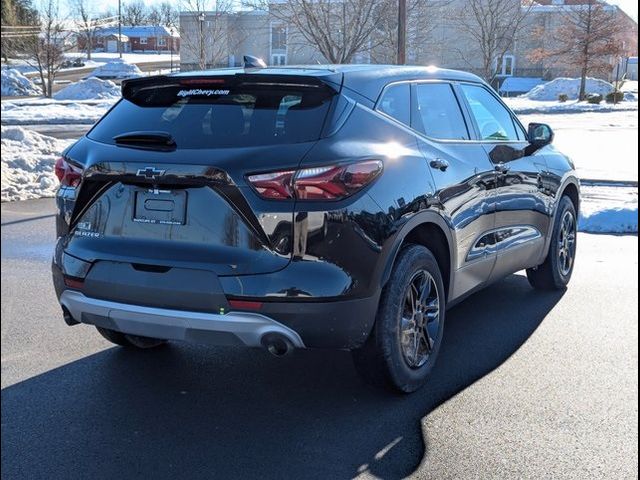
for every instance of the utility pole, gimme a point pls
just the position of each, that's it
(120, 28)
(203, 63)
(402, 32)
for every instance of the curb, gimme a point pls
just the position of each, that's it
(589, 182)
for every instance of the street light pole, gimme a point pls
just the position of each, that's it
(402, 32)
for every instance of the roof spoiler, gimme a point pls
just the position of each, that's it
(132, 86)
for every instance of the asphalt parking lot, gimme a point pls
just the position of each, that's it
(528, 385)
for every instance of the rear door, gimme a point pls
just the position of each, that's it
(463, 176)
(165, 172)
(522, 217)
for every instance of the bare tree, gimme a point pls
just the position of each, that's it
(338, 29)
(45, 51)
(88, 24)
(587, 37)
(422, 19)
(134, 13)
(492, 27)
(204, 31)
(168, 15)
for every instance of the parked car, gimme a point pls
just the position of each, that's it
(72, 63)
(339, 207)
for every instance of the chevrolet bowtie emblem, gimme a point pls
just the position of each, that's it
(149, 172)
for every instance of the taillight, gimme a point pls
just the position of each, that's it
(319, 183)
(274, 186)
(69, 175)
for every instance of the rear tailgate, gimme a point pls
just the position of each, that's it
(186, 203)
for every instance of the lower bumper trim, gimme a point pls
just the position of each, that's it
(246, 327)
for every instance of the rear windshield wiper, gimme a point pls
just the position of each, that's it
(146, 140)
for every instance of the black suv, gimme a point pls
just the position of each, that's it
(342, 207)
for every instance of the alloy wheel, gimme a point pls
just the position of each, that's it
(566, 243)
(420, 319)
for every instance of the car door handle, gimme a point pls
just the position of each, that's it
(502, 168)
(439, 164)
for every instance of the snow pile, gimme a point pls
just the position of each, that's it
(27, 164)
(117, 68)
(15, 83)
(609, 210)
(91, 88)
(526, 106)
(568, 86)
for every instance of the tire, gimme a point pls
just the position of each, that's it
(555, 273)
(131, 341)
(383, 360)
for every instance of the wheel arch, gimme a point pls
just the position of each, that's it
(432, 231)
(570, 188)
(572, 191)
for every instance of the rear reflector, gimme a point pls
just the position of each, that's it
(333, 182)
(73, 283)
(245, 305)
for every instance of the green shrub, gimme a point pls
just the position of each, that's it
(594, 98)
(563, 97)
(614, 97)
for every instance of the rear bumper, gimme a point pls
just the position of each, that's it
(184, 294)
(233, 328)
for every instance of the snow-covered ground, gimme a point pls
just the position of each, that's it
(40, 111)
(100, 58)
(523, 106)
(27, 164)
(609, 210)
(603, 145)
(104, 57)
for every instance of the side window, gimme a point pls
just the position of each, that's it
(493, 119)
(438, 112)
(396, 102)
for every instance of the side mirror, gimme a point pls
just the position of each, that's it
(540, 135)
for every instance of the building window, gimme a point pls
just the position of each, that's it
(162, 42)
(508, 65)
(143, 40)
(278, 59)
(278, 37)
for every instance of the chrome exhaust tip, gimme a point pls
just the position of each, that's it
(68, 318)
(277, 344)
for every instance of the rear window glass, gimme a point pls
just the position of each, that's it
(396, 102)
(217, 117)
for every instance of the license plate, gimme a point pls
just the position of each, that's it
(164, 207)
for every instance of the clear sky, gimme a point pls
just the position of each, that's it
(629, 6)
